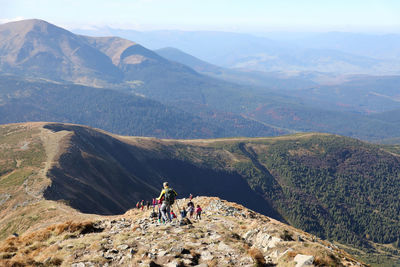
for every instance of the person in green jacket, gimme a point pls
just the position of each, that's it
(167, 196)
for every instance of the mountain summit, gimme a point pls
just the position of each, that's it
(36, 47)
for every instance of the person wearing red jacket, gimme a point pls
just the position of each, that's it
(198, 212)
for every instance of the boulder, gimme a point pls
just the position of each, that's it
(304, 260)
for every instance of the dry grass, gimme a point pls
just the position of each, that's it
(212, 263)
(257, 256)
(36, 249)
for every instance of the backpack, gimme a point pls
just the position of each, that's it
(169, 196)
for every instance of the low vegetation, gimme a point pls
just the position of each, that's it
(309, 180)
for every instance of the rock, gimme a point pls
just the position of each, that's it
(206, 255)
(179, 250)
(214, 236)
(111, 254)
(151, 255)
(79, 264)
(286, 251)
(303, 260)
(224, 247)
(162, 253)
(246, 260)
(250, 234)
(202, 265)
(187, 262)
(123, 247)
(266, 241)
(123, 261)
(172, 264)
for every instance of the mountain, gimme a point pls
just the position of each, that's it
(260, 53)
(116, 111)
(38, 48)
(274, 80)
(223, 108)
(381, 46)
(308, 180)
(361, 94)
(177, 55)
(139, 71)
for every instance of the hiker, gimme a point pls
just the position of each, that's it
(190, 197)
(173, 215)
(154, 203)
(137, 205)
(160, 216)
(183, 213)
(148, 204)
(198, 212)
(184, 220)
(142, 204)
(190, 208)
(168, 198)
(158, 203)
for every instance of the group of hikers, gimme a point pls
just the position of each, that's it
(164, 203)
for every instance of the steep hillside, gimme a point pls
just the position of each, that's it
(27, 152)
(307, 180)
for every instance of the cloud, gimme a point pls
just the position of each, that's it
(5, 20)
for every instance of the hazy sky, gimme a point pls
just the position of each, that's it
(233, 15)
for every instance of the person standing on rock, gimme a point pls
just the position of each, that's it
(190, 209)
(198, 212)
(168, 196)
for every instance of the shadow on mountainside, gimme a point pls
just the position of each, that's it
(100, 174)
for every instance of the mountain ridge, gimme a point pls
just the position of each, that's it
(309, 180)
(227, 234)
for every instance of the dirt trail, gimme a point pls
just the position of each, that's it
(52, 144)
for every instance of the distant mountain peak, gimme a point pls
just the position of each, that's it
(35, 25)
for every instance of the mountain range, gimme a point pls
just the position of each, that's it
(216, 101)
(344, 53)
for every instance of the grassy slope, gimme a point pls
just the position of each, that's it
(24, 151)
(309, 180)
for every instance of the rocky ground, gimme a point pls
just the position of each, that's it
(227, 235)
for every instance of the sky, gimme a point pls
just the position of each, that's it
(226, 15)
